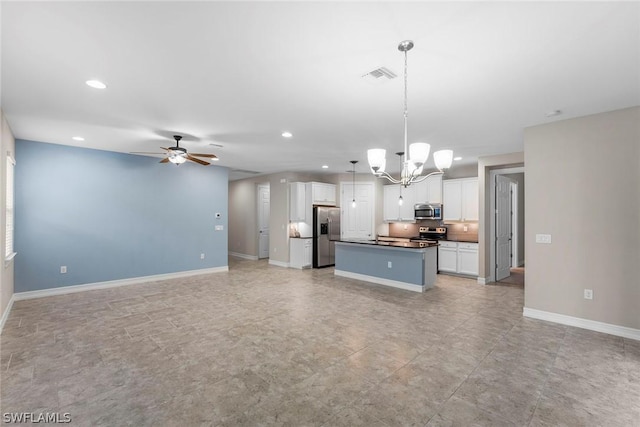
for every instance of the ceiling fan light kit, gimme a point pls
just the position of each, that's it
(418, 152)
(178, 155)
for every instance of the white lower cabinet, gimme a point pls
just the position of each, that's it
(458, 257)
(300, 253)
(468, 258)
(448, 257)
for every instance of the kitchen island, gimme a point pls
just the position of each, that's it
(403, 265)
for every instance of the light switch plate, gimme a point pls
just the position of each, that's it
(219, 227)
(543, 238)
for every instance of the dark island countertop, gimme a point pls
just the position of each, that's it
(411, 245)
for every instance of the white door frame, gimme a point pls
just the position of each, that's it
(492, 217)
(258, 217)
(514, 224)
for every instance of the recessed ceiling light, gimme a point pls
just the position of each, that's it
(78, 138)
(554, 113)
(287, 134)
(457, 158)
(96, 84)
(325, 166)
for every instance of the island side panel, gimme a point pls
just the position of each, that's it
(430, 267)
(406, 265)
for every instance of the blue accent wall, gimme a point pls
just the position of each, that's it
(109, 216)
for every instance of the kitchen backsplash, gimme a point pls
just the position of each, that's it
(457, 232)
(454, 231)
(407, 229)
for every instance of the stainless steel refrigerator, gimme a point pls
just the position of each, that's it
(326, 230)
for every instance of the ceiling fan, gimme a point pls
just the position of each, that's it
(179, 155)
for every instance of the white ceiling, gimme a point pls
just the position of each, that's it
(241, 73)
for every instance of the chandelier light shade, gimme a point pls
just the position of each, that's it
(416, 154)
(377, 161)
(443, 159)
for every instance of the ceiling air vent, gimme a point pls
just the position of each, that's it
(245, 171)
(379, 75)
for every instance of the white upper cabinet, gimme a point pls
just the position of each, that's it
(407, 211)
(392, 210)
(297, 202)
(452, 200)
(429, 190)
(321, 193)
(460, 199)
(470, 200)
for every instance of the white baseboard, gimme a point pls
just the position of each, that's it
(114, 283)
(592, 325)
(278, 263)
(379, 281)
(5, 315)
(245, 256)
(482, 280)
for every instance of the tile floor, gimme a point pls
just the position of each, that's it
(264, 345)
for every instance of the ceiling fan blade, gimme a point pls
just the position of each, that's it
(212, 156)
(168, 149)
(165, 160)
(194, 159)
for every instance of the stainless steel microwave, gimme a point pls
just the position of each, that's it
(425, 211)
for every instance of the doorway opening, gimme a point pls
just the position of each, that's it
(507, 226)
(264, 209)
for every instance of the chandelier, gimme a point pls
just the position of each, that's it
(418, 152)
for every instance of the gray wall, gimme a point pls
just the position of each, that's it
(109, 216)
(243, 222)
(461, 171)
(583, 188)
(243, 234)
(7, 145)
(243, 212)
(485, 166)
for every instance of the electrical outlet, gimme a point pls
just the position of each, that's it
(406, 227)
(465, 228)
(219, 227)
(588, 294)
(543, 238)
(201, 256)
(63, 269)
(389, 264)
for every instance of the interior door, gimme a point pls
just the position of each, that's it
(264, 208)
(503, 227)
(357, 222)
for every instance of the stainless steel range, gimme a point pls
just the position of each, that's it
(431, 235)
